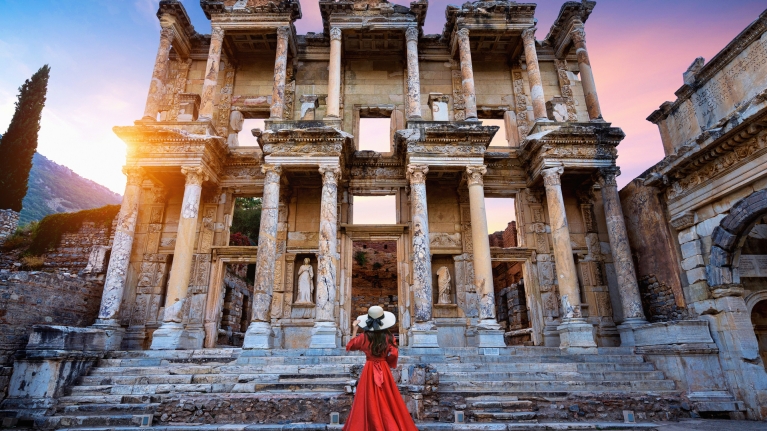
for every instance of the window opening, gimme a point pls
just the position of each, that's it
(374, 134)
(374, 210)
(245, 137)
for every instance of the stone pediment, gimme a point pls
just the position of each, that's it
(313, 140)
(575, 146)
(254, 7)
(488, 16)
(359, 14)
(571, 14)
(459, 139)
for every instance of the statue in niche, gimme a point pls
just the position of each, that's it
(443, 283)
(236, 120)
(305, 283)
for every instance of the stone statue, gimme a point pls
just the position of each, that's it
(443, 283)
(305, 283)
(235, 127)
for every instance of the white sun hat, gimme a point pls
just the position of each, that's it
(377, 318)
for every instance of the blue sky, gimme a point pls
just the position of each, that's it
(102, 53)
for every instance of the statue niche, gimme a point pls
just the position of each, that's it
(443, 284)
(305, 284)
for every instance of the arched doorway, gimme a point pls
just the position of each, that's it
(759, 320)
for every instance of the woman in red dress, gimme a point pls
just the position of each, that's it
(378, 405)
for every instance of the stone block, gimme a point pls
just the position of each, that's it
(722, 238)
(696, 274)
(719, 257)
(687, 235)
(691, 249)
(48, 337)
(577, 335)
(717, 276)
(693, 262)
(696, 292)
(706, 227)
(681, 332)
(724, 205)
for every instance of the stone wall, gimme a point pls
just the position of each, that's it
(74, 249)
(31, 298)
(238, 297)
(505, 238)
(9, 220)
(659, 301)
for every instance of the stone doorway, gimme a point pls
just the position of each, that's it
(374, 278)
(759, 320)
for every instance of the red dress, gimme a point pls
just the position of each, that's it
(378, 405)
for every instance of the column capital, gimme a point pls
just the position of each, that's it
(528, 35)
(607, 176)
(135, 175)
(475, 174)
(578, 34)
(551, 176)
(335, 33)
(330, 174)
(416, 174)
(272, 172)
(463, 33)
(283, 32)
(195, 175)
(216, 32)
(168, 32)
(411, 34)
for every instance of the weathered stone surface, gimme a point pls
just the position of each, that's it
(9, 221)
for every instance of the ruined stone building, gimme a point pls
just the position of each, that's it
(560, 291)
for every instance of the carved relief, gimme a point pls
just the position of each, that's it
(567, 92)
(458, 101)
(520, 102)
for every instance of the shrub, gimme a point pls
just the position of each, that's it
(33, 262)
(48, 232)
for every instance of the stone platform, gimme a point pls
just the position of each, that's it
(498, 387)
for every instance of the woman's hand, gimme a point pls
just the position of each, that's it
(356, 327)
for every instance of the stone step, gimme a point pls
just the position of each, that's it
(224, 369)
(74, 421)
(428, 426)
(502, 416)
(500, 404)
(538, 367)
(624, 376)
(556, 386)
(111, 408)
(301, 385)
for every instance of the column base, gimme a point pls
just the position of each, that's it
(174, 336)
(134, 338)
(114, 333)
(424, 335)
(258, 336)
(626, 331)
(323, 336)
(577, 336)
(489, 334)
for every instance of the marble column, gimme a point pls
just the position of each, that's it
(413, 77)
(574, 332)
(119, 259)
(171, 334)
(534, 75)
(423, 330)
(259, 333)
(334, 74)
(211, 75)
(587, 77)
(631, 301)
(157, 86)
(280, 71)
(324, 331)
(467, 74)
(489, 331)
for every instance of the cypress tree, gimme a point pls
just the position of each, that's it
(19, 143)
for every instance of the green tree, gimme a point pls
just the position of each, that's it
(247, 218)
(19, 143)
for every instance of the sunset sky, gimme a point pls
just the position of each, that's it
(102, 53)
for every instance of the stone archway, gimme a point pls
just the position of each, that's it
(727, 239)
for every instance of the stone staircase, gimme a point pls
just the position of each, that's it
(215, 386)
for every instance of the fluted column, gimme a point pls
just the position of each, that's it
(157, 86)
(423, 331)
(171, 334)
(280, 71)
(211, 74)
(534, 75)
(489, 331)
(574, 332)
(258, 335)
(324, 332)
(587, 76)
(334, 74)
(117, 271)
(467, 74)
(413, 77)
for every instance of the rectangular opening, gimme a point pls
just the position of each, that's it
(511, 311)
(236, 307)
(499, 140)
(245, 137)
(374, 278)
(501, 215)
(374, 135)
(374, 210)
(246, 222)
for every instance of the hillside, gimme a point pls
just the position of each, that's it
(54, 188)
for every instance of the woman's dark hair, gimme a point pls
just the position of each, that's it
(379, 341)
